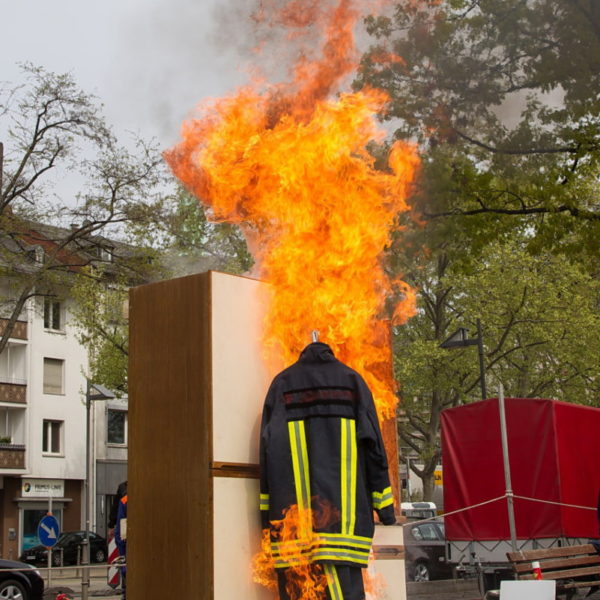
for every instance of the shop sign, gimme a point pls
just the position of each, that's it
(42, 488)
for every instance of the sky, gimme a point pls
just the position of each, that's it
(149, 61)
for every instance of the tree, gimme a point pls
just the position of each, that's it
(511, 86)
(193, 236)
(541, 335)
(189, 242)
(502, 97)
(45, 241)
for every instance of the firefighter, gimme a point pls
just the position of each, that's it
(321, 448)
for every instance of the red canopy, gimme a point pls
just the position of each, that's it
(554, 451)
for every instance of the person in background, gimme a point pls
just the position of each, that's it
(121, 540)
(112, 517)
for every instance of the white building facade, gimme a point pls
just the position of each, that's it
(42, 425)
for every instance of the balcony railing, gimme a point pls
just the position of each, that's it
(13, 392)
(19, 331)
(12, 456)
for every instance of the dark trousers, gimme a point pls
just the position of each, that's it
(343, 583)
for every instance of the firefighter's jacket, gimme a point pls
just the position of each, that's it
(320, 446)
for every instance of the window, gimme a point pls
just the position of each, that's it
(427, 531)
(52, 437)
(53, 375)
(117, 427)
(52, 314)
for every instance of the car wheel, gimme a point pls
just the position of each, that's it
(13, 590)
(421, 572)
(56, 560)
(99, 555)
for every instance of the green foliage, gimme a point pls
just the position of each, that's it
(541, 332)
(510, 89)
(194, 236)
(501, 96)
(101, 315)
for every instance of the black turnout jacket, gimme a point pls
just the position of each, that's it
(320, 448)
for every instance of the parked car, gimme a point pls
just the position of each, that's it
(68, 550)
(426, 552)
(24, 583)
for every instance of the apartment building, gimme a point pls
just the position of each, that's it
(43, 430)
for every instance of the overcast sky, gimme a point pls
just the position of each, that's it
(149, 61)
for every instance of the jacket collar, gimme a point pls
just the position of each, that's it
(317, 352)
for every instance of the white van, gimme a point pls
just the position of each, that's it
(415, 511)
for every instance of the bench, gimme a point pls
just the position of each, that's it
(571, 566)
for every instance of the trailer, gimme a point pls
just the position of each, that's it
(519, 473)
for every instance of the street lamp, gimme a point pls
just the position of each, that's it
(460, 339)
(93, 391)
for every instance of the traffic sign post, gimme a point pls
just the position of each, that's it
(48, 533)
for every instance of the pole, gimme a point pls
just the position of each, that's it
(509, 493)
(50, 549)
(85, 579)
(481, 362)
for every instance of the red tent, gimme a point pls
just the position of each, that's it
(554, 452)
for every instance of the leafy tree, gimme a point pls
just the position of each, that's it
(502, 98)
(541, 332)
(189, 243)
(51, 125)
(193, 236)
(511, 86)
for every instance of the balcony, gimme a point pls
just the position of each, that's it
(15, 392)
(12, 456)
(19, 331)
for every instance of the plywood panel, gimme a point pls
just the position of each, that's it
(239, 374)
(169, 552)
(237, 539)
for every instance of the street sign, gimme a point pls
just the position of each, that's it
(48, 531)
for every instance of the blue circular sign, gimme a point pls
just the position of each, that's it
(48, 531)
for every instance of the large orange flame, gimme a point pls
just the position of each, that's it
(289, 164)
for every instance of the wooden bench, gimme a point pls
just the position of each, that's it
(571, 566)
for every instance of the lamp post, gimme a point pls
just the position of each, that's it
(93, 391)
(460, 339)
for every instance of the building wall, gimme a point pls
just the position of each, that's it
(68, 467)
(68, 407)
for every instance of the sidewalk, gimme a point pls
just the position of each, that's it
(68, 581)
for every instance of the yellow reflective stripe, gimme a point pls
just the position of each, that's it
(264, 502)
(361, 538)
(304, 454)
(353, 462)
(348, 474)
(383, 499)
(323, 540)
(386, 491)
(361, 558)
(344, 474)
(333, 582)
(346, 541)
(299, 450)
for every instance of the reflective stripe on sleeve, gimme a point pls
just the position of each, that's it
(264, 502)
(383, 499)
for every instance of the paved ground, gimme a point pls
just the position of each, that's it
(462, 590)
(68, 581)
